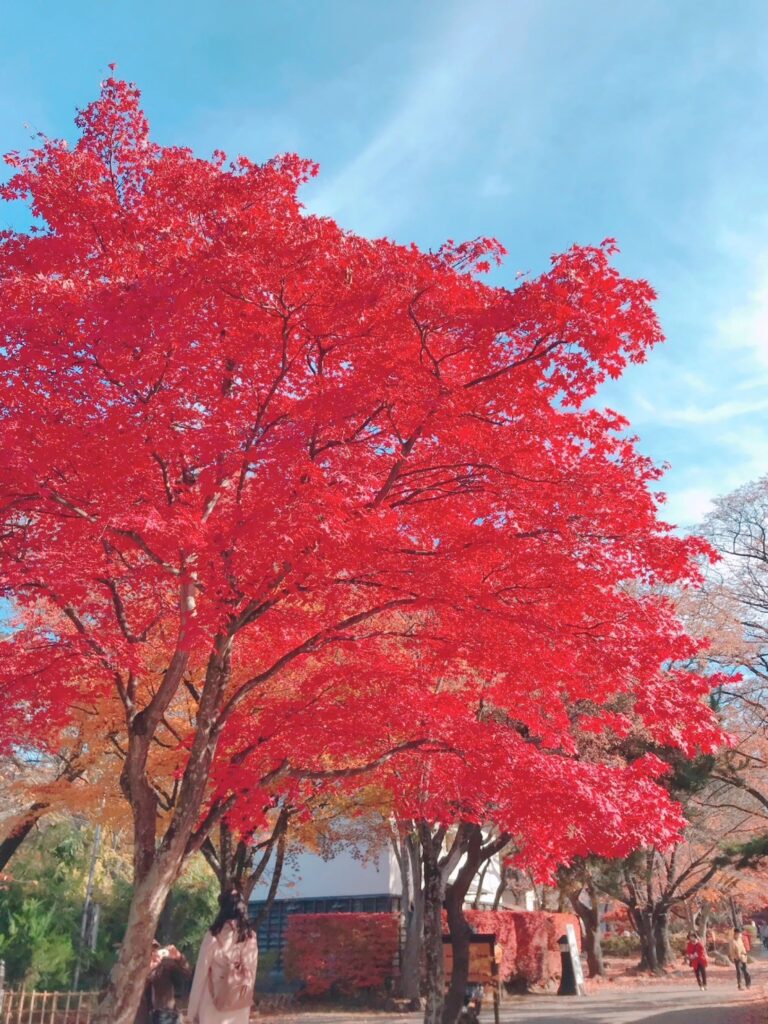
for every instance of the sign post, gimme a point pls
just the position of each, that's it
(484, 965)
(572, 976)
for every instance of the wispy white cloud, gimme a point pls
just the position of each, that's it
(442, 95)
(743, 332)
(495, 185)
(687, 506)
(692, 415)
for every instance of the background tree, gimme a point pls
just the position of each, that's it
(731, 612)
(579, 881)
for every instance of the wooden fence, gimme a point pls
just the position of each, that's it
(47, 1007)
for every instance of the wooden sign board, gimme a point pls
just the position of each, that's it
(483, 968)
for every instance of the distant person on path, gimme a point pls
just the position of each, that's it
(697, 958)
(738, 953)
(225, 975)
(764, 933)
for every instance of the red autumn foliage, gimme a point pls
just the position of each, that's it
(341, 953)
(264, 482)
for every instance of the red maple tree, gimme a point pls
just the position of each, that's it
(289, 477)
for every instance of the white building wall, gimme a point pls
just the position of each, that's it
(309, 876)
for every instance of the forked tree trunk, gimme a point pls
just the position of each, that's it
(477, 856)
(437, 871)
(458, 926)
(157, 865)
(644, 927)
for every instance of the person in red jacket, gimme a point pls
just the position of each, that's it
(697, 958)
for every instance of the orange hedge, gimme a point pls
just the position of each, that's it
(341, 953)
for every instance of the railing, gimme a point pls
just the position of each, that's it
(32, 1007)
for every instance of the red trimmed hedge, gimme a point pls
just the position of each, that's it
(341, 953)
(345, 954)
(530, 953)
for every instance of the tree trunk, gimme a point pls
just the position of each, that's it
(20, 830)
(434, 890)
(594, 948)
(413, 920)
(480, 885)
(165, 934)
(277, 874)
(664, 955)
(590, 919)
(461, 934)
(458, 926)
(735, 913)
(127, 979)
(704, 925)
(649, 960)
(501, 888)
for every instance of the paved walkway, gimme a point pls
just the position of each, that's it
(664, 1004)
(655, 1004)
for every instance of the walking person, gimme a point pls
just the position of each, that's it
(738, 953)
(225, 975)
(697, 958)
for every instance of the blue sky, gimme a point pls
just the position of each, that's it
(542, 122)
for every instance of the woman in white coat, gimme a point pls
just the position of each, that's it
(222, 988)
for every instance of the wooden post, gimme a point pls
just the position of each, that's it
(79, 1008)
(32, 1000)
(54, 1001)
(66, 1008)
(496, 981)
(9, 1007)
(20, 1007)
